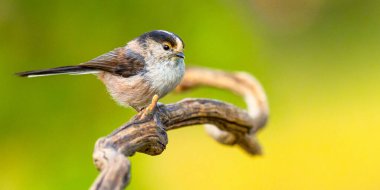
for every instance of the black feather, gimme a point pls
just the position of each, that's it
(57, 70)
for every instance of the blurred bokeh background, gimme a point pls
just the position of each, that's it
(317, 59)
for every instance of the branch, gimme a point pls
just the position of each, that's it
(146, 132)
(242, 84)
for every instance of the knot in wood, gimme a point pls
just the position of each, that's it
(154, 141)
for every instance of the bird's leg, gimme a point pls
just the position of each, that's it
(149, 109)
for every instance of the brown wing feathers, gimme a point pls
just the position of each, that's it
(117, 62)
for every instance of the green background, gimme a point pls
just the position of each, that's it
(317, 59)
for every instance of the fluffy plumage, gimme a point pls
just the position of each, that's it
(151, 64)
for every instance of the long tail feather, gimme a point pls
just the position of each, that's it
(74, 70)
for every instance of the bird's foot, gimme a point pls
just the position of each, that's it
(148, 110)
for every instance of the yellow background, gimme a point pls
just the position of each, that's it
(318, 61)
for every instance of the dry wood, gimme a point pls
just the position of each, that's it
(146, 132)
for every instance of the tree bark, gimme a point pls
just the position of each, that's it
(146, 132)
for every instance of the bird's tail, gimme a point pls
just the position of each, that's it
(73, 70)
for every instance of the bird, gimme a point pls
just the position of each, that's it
(150, 65)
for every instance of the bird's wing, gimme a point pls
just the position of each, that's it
(118, 62)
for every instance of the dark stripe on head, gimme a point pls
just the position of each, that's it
(160, 37)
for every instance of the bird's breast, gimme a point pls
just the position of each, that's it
(165, 76)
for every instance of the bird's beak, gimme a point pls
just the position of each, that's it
(180, 54)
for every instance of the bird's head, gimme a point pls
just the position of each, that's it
(160, 45)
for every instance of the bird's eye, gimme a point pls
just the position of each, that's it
(166, 47)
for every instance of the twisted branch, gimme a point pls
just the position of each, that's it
(146, 132)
